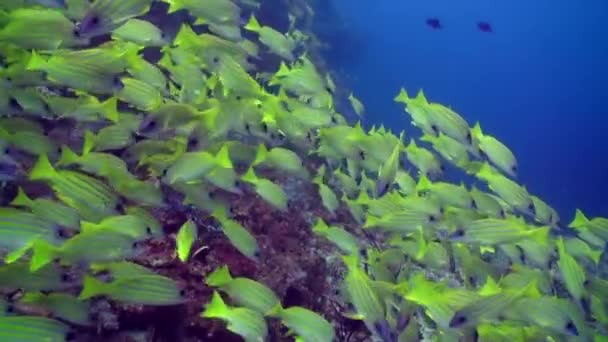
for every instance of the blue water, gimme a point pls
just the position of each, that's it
(539, 82)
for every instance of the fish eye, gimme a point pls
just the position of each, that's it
(192, 142)
(65, 277)
(238, 97)
(164, 173)
(514, 168)
(435, 129)
(61, 233)
(362, 155)
(532, 208)
(94, 20)
(70, 336)
(7, 150)
(571, 328)
(14, 104)
(211, 194)
(272, 136)
(135, 244)
(256, 254)
(458, 233)
(216, 60)
(119, 207)
(148, 230)
(237, 183)
(334, 120)
(459, 320)
(264, 127)
(209, 92)
(117, 82)
(385, 189)
(469, 138)
(473, 204)
(432, 218)
(328, 90)
(9, 309)
(182, 293)
(502, 213)
(248, 128)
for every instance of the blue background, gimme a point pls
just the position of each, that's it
(539, 83)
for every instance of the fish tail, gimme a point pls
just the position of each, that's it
(91, 287)
(89, 142)
(540, 235)
(42, 170)
(216, 308)
(580, 220)
(174, 6)
(421, 98)
(223, 157)
(371, 221)
(253, 24)
(17, 254)
(108, 108)
(67, 157)
(261, 155)
(44, 253)
(219, 277)
(22, 199)
(36, 62)
(249, 176)
(402, 96)
(476, 131)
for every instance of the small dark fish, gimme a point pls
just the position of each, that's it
(434, 23)
(484, 26)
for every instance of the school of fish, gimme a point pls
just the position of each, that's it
(431, 259)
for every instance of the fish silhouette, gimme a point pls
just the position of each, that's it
(484, 26)
(434, 23)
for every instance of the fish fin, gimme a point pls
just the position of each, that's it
(220, 277)
(42, 170)
(253, 24)
(44, 253)
(91, 287)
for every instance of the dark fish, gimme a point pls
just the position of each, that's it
(484, 26)
(434, 23)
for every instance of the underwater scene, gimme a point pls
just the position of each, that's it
(303, 170)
